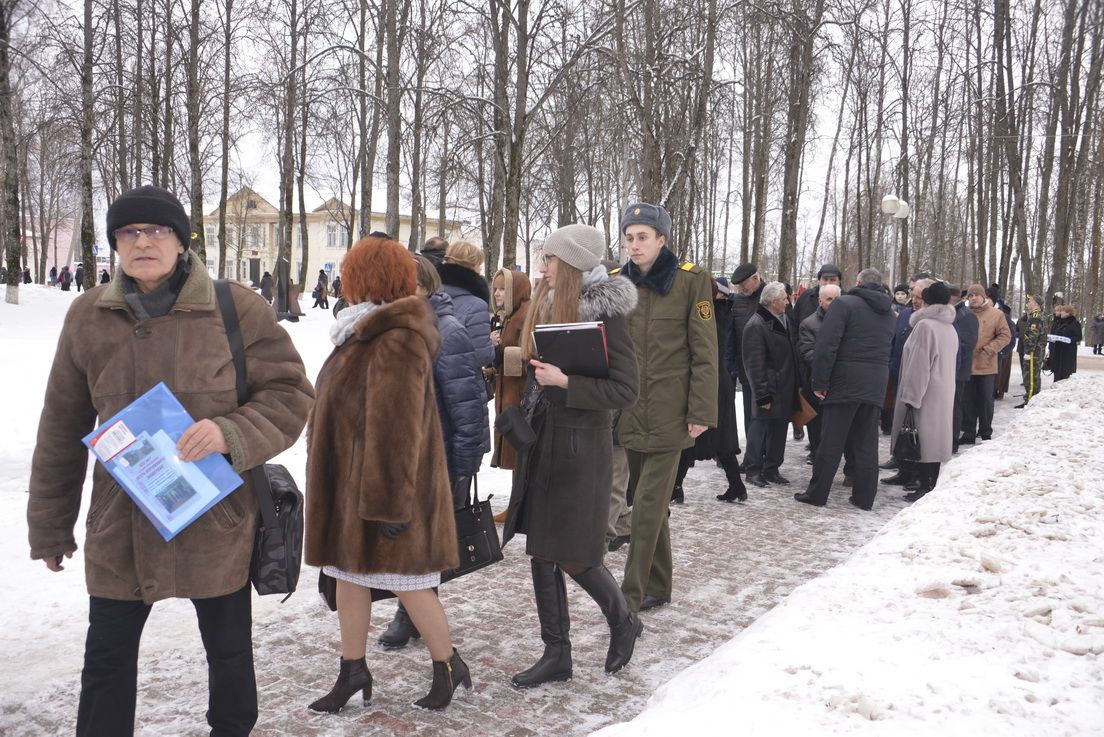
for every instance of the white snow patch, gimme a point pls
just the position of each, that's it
(978, 610)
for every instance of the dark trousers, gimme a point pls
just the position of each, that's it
(814, 433)
(850, 428)
(766, 445)
(110, 675)
(977, 407)
(956, 421)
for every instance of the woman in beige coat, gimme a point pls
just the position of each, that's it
(927, 385)
(158, 321)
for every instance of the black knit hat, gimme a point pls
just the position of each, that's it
(936, 294)
(901, 288)
(148, 204)
(829, 270)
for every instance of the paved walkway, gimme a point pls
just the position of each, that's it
(733, 563)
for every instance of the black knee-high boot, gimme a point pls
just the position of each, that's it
(551, 595)
(625, 625)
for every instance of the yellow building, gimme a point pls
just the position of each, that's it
(252, 223)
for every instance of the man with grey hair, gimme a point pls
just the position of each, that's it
(849, 375)
(769, 353)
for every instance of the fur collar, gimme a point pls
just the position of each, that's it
(771, 319)
(660, 278)
(197, 294)
(461, 277)
(940, 313)
(608, 298)
(409, 313)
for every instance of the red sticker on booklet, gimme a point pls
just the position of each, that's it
(112, 440)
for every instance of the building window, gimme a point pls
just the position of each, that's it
(211, 233)
(331, 235)
(254, 236)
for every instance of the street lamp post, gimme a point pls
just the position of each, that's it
(898, 209)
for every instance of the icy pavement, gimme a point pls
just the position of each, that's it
(733, 564)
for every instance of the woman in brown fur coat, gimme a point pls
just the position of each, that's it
(510, 291)
(561, 493)
(379, 512)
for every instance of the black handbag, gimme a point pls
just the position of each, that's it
(907, 445)
(476, 537)
(278, 547)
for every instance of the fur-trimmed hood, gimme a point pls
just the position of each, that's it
(461, 277)
(518, 291)
(942, 313)
(614, 297)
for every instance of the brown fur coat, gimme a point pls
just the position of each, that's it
(510, 374)
(375, 453)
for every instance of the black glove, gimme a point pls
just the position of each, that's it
(392, 531)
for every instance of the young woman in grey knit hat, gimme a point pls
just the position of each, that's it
(562, 483)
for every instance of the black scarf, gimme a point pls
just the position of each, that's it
(157, 303)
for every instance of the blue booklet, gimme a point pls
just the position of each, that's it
(138, 447)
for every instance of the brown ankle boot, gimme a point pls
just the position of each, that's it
(354, 676)
(447, 675)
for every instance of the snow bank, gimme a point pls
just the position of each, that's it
(978, 610)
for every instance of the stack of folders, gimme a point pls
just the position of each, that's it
(577, 348)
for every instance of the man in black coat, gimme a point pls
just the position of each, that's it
(850, 372)
(771, 366)
(809, 300)
(749, 286)
(966, 325)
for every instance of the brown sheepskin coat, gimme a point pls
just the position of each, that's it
(509, 369)
(125, 558)
(375, 453)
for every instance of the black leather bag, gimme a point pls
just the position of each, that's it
(476, 537)
(278, 547)
(907, 445)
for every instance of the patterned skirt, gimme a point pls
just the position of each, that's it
(385, 581)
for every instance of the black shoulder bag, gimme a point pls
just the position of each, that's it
(907, 445)
(476, 536)
(278, 548)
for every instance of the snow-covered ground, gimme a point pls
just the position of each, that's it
(978, 610)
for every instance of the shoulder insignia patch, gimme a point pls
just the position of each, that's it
(705, 310)
(687, 266)
(615, 272)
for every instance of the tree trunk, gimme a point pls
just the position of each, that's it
(224, 174)
(199, 237)
(394, 116)
(9, 202)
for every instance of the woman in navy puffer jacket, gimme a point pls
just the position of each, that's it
(470, 294)
(462, 404)
(458, 382)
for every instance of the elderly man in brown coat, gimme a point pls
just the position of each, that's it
(993, 334)
(158, 321)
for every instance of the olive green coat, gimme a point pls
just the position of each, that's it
(105, 359)
(676, 348)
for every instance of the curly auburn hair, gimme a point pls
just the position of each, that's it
(378, 270)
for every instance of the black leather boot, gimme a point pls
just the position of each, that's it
(354, 676)
(625, 626)
(447, 675)
(736, 490)
(399, 632)
(551, 595)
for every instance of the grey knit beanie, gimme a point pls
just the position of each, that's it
(581, 246)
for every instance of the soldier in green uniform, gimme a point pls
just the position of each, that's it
(676, 347)
(1033, 343)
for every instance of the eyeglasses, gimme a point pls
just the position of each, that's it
(128, 236)
(546, 257)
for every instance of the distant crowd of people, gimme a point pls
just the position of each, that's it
(398, 425)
